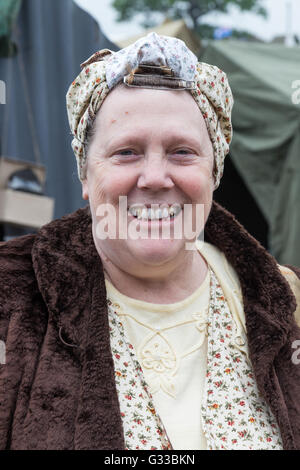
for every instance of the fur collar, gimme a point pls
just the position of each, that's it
(71, 280)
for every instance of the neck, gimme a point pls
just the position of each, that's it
(180, 282)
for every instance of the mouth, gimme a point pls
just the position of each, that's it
(154, 211)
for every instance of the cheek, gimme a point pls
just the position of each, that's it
(198, 183)
(108, 182)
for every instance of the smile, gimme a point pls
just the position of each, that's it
(155, 212)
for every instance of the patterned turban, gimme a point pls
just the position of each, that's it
(105, 69)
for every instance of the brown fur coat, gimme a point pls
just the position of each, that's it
(57, 388)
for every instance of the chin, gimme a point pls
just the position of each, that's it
(155, 252)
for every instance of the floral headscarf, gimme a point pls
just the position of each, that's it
(105, 69)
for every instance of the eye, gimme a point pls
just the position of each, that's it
(182, 152)
(125, 156)
(183, 156)
(125, 152)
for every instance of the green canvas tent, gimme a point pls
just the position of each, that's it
(9, 10)
(266, 143)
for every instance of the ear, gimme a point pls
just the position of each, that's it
(85, 190)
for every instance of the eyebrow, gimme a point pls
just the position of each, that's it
(171, 139)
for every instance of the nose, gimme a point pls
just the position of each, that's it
(154, 174)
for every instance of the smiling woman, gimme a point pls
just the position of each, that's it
(123, 329)
(151, 146)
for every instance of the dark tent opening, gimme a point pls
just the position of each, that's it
(234, 195)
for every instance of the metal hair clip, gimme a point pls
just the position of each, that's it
(156, 77)
(153, 69)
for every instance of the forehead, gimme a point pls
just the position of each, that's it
(126, 108)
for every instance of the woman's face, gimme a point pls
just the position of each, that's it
(151, 147)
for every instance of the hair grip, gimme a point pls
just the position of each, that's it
(158, 82)
(156, 77)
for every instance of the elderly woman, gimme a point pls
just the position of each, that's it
(124, 329)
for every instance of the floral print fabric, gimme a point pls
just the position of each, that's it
(104, 69)
(234, 415)
(143, 429)
(152, 49)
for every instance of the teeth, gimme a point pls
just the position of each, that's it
(151, 214)
(165, 212)
(158, 214)
(154, 214)
(176, 209)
